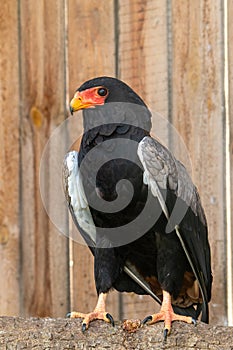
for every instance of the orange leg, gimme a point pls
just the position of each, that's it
(99, 313)
(167, 315)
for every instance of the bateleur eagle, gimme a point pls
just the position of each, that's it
(149, 236)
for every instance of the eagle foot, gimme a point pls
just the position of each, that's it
(167, 315)
(99, 313)
(95, 315)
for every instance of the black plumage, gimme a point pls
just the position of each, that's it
(155, 256)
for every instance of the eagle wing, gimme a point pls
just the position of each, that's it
(76, 198)
(169, 181)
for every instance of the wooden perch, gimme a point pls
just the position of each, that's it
(47, 333)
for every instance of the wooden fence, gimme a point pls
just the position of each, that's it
(178, 55)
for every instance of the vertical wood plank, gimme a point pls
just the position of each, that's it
(197, 113)
(44, 250)
(229, 52)
(9, 160)
(91, 50)
(143, 64)
(143, 50)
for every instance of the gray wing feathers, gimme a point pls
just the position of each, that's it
(162, 171)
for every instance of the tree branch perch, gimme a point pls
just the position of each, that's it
(47, 333)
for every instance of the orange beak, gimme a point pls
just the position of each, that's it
(78, 103)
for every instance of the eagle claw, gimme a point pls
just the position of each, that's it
(148, 318)
(110, 319)
(84, 327)
(194, 322)
(165, 334)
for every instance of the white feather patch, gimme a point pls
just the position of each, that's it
(77, 196)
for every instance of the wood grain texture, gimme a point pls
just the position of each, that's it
(49, 334)
(45, 251)
(9, 160)
(143, 50)
(91, 42)
(229, 45)
(143, 55)
(91, 50)
(198, 115)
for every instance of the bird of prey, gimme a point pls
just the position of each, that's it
(136, 207)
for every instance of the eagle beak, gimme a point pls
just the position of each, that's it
(79, 102)
(71, 110)
(76, 103)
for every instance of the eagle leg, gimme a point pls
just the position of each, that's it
(167, 315)
(99, 313)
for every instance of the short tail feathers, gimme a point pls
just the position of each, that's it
(194, 313)
(189, 311)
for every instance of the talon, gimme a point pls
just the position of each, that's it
(165, 334)
(110, 319)
(194, 322)
(84, 327)
(148, 318)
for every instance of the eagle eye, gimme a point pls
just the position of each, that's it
(102, 92)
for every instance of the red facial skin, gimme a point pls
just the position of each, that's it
(90, 97)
